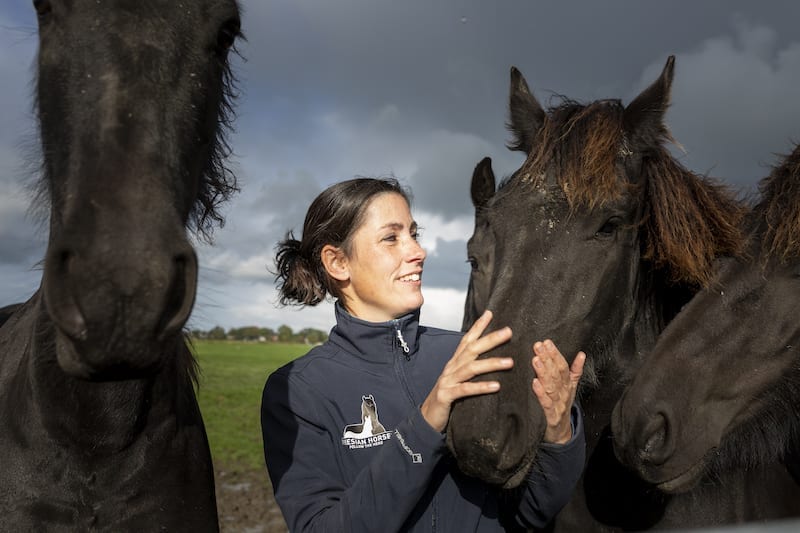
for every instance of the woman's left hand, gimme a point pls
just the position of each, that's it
(555, 385)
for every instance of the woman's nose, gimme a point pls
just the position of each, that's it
(417, 252)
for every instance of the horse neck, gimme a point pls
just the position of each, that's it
(102, 416)
(621, 356)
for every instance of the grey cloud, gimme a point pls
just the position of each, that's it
(447, 267)
(419, 88)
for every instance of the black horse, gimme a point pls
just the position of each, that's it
(596, 242)
(722, 384)
(100, 424)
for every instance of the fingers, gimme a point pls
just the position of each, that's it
(482, 366)
(474, 343)
(484, 342)
(576, 370)
(550, 365)
(543, 395)
(477, 328)
(454, 383)
(458, 384)
(555, 386)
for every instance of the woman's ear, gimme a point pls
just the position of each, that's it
(335, 262)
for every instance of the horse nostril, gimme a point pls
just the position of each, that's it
(658, 442)
(58, 284)
(63, 261)
(180, 298)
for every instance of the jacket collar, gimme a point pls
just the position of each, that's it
(375, 341)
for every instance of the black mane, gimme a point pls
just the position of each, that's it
(779, 209)
(219, 182)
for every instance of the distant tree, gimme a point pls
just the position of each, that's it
(285, 334)
(198, 334)
(247, 333)
(311, 336)
(216, 334)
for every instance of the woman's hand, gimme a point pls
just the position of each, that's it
(454, 381)
(555, 385)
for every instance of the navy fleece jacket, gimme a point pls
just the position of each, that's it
(347, 448)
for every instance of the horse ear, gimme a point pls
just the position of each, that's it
(646, 112)
(526, 116)
(483, 183)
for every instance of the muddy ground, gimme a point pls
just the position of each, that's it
(245, 502)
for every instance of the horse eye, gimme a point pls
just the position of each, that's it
(42, 7)
(228, 34)
(609, 228)
(473, 263)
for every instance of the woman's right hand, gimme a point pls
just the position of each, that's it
(454, 381)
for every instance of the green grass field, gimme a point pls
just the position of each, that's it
(232, 376)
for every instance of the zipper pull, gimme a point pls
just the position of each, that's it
(402, 341)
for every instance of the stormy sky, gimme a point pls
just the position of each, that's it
(418, 89)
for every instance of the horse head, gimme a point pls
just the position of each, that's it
(598, 219)
(131, 127)
(479, 246)
(722, 382)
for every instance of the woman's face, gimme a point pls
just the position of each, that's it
(385, 264)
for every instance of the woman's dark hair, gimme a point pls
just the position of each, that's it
(332, 219)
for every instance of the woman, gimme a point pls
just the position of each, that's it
(353, 430)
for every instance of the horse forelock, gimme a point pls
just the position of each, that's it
(779, 210)
(217, 184)
(583, 145)
(688, 220)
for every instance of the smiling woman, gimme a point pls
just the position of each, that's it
(380, 278)
(353, 431)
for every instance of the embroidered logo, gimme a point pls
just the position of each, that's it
(370, 432)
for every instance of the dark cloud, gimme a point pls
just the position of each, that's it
(419, 89)
(447, 266)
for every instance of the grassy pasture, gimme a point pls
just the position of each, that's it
(232, 376)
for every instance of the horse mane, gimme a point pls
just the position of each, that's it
(218, 182)
(779, 209)
(583, 142)
(689, 219)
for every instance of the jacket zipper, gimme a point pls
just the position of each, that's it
(401, 341)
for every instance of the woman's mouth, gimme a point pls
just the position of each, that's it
(411, 277)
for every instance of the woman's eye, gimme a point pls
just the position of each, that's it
(390, 238)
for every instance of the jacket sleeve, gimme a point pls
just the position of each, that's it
(553, 478)
(303, 463)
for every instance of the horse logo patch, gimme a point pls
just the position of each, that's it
(370, 432)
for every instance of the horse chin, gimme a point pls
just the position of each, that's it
(516, 479)
(83, 360)
(475, 463)
(687, 480)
